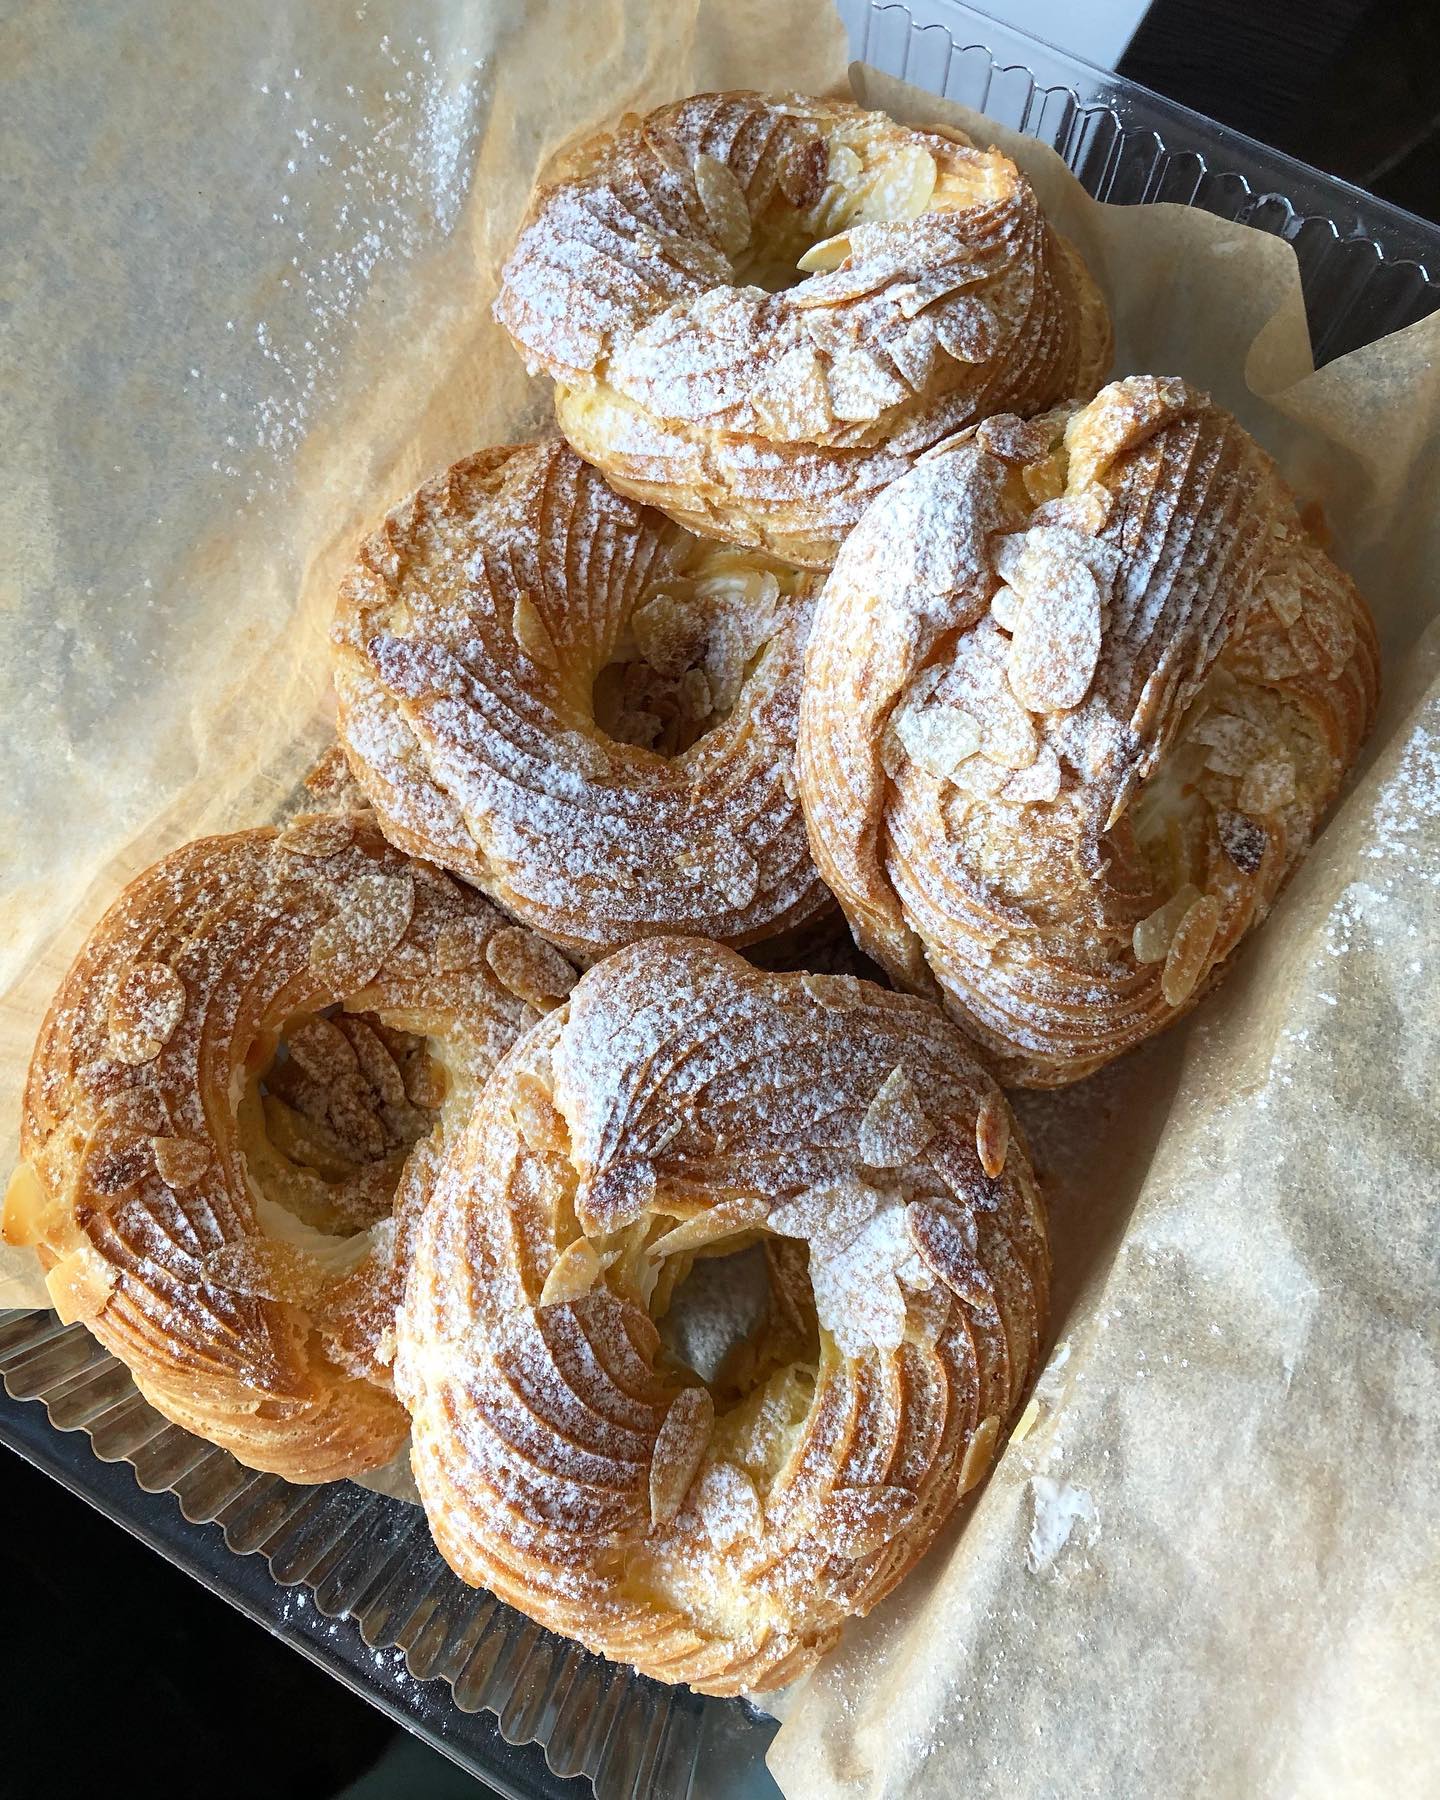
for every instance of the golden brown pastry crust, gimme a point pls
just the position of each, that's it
(471, 643)
(935, 294)
(1077, 695)
(682, 1102)
(236, 1248)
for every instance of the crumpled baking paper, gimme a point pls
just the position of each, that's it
(250, 255)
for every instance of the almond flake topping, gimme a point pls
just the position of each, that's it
(1154, 934)
(532, 634)
(1190, 950)
(679, 1450)
(860, 1256)
(180, 1162)
(533, 970)
(992, 1134)
(145, 1008)
(728, 1504)
(894, 1130)
(574, 1272)
(318, 835)
(724, 201)
(373, 915)
(1055, 649)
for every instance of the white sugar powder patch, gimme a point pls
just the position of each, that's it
(1409, 803)
(1059, 1509)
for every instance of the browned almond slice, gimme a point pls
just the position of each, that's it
(80, 1284)
(533, 970)
(729, 1505)
(947, 1248)
(532, 634)
(180, 1162)
(574, 1272)
(145, 1008)
(894, 1130)
(992, 1134)
(679, 1449)
(317, 835)
(1190, 950)
(978, 1453)
(1153, 936)
(373, 915)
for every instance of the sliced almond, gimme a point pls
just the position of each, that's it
(80, 1285)
(724, 201)
(669, 632)
(894, 1130)
(946, 1242)
(532, 969)
(460, 946)
(734, 873)
(539, 1121)
(1055, 649)
(836, 993)
(828, 254)
(373, 915)
(992, 1134)
(939, 738)
(1005, 607)
(978, 1453)
(901, 187)
(679, 1450)
(320, 1049)
(145, 1008)
(803, 164)
(574, 1273)
(1267, 786)
(532, 634)
(1244, 840)
(729, 1505)
(1284, 599)
(317, 835)
(694, 696)
(26, 1203)
(618, 1196)
(1027, 1421)
(1232, 745)
(715, 1223)
(1153, 936)
(1190, 950)
(180, 1162)
(1039, 783)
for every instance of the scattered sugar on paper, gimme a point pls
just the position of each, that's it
(1059, 1508)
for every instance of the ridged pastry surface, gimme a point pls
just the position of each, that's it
(579, 706)
(759, 310)
(685, 1104)
(232, 1116)
(1078, 694)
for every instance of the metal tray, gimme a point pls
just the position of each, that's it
(350, 1578)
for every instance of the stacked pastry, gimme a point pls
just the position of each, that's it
(848, 595)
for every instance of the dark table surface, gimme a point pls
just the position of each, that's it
(128, 1664)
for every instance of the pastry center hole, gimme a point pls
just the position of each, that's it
(330, 1113)
(738, 1318)
(688, 649)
